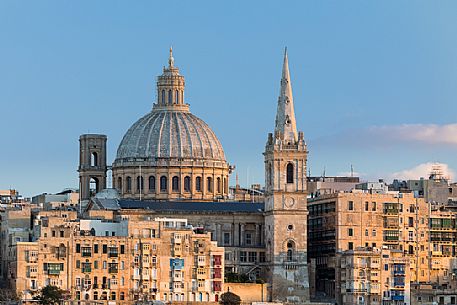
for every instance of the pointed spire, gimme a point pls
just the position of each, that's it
(285, 115)
(171, 60)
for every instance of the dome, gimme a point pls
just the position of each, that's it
(170, 134)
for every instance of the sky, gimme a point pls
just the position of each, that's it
(374, 82)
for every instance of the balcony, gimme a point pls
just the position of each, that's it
(398, 297)
(113, 254)
(53, 271)
(113, 270)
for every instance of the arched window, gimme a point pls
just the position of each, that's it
(113, 296)
(93, 159)
(163, 184)
(163, 96)
(152, 183)
(119, 184)
(95, 295)
(170, 97)
(290, 173)
(175, 184)
(78, 295)
(177, 97)
(198, 184)
(140, 184)
(270, 174)
(225, 185)
(187, 184)
(209, 184)
(93, 186)
(129, 184)
(290, 250)
(218, 182)
(122, 296)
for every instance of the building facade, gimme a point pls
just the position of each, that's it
(120, 261)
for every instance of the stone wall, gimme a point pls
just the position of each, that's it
(248, 292)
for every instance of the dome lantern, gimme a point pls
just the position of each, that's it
(170, 88)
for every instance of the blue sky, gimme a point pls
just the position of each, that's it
(374, 81)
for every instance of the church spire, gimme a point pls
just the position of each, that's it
(285, 116)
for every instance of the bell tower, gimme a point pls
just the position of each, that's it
(285, 201)
(92, 164)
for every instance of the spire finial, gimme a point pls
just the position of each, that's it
(171, 60)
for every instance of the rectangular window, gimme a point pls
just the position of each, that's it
(105, 249)
(374, 206)
(262, 257)
(350, 232)
(410, 221)
(78, 248)
(350, 205)
(122, 249)
(252, 257)
(243, 257)
(248, 239)
(350, 245)
(95, 248)
(95, 264)
(366, 205)
(226, 238)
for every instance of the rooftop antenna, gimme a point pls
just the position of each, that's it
(352, 171)
(323, 174)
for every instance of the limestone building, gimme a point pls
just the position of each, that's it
(171, 164)
(119, 261)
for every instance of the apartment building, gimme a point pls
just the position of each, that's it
(372, 276)
(119, 261)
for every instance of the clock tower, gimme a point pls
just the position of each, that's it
(285, 202)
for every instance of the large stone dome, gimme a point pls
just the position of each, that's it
(170, 154)
(169, 134)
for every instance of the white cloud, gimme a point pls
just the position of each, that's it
(424, 170)
(423, 133)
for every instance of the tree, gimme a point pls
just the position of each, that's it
(229, 298)
(8, 295)
(50, 295)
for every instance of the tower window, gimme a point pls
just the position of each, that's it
(152, 183)
(139, 183)
(290, 173)
(170, 97)
(94, 186)
(175, 184)
(198, 184)
(94, 159)
(290, 250)
(187, 184)
(163, 184)
(129, 184)
(218, 184)
(209, 184)
(177, 96)
(225, 185)
(163, 96)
